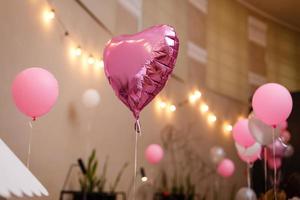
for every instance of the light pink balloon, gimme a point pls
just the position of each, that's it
(35, 91)
(285, 136)
(274, 162)
(272, 103)
(226, 168)
(154, 153)
(241, 133)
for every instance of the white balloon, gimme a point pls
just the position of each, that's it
(217, 154)
(262, 132)
(91, 98)
(250, 151)
(245, 194)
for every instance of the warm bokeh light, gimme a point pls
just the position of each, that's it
(204, 107)
(90, 60)
(162, 104)
(49, 14)
(77, 51)
(99, 64)
(144, 179)
(193, 97)
(211, 118)
(197, 94)
(172, 108)
(227, 128)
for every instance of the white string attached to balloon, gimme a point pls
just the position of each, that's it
(248, 175)
(275, 167)
(29, 144)
(137, 128)
(265, 168)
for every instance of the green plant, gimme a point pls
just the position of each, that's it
(102, 178)
(90, 181)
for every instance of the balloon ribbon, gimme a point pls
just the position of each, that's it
(248, 175)
(274, 162)
(265, 169)
(137, 128)
(29, 144)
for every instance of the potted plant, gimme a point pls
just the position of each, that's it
(93, 186)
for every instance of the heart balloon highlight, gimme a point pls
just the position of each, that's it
(138, 66)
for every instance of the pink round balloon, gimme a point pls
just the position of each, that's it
(226, 168)
(154, 153)
(139, 65)
(241, 133)
(35, 91)
(272, 103)
(285, 136)
(274, 162)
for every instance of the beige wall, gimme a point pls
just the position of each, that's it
(61, 136)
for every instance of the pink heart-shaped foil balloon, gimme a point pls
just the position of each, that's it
(138, 66)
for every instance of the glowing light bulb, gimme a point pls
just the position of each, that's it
(211, 118)
(49, 15)
(77, 51)
(192, 98)
(172, 108)
(227, 128)
(90, 60)
(162, 104)
(197, 94)
(204, 107)
(99, 64)
(144, 179)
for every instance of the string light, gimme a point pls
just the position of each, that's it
(77, 51)
(90, 60)
(162, 104)
(99, 63)
(49, 15)
(196, 95)
(211, 118)
(204, 108)
(172, 108)
(227, 128)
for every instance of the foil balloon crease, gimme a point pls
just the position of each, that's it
(139, 65)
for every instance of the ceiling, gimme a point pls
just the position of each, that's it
(283, 11)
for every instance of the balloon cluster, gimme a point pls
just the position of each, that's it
(266, 126)
(225, 166)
